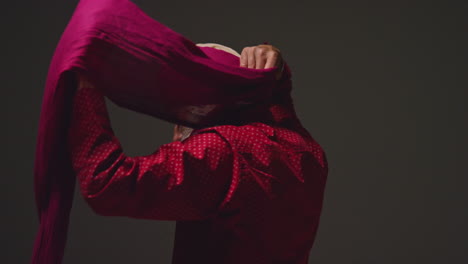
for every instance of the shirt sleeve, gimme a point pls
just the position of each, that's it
(182, 180)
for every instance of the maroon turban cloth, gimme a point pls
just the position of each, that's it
(269, 173)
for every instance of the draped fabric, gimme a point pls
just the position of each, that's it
(142, 65)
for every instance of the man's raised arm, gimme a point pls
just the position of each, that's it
(182, 180)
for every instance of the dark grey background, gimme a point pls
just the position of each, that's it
(382, 88)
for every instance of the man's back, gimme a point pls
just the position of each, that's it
(273, 213)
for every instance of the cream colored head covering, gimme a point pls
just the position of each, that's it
(220, 47)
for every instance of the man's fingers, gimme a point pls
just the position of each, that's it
(272, 59)
(243, 58)
(247, 58)
(260, 58)
(251, 58)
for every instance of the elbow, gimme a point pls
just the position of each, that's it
(98, 205)
(104, 208)
(104, 205)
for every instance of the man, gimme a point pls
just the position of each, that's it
(248, 193)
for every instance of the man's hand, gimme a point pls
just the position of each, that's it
(262, 57)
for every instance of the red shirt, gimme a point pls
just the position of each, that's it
(240, 194)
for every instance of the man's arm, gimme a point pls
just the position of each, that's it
(182, 180)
